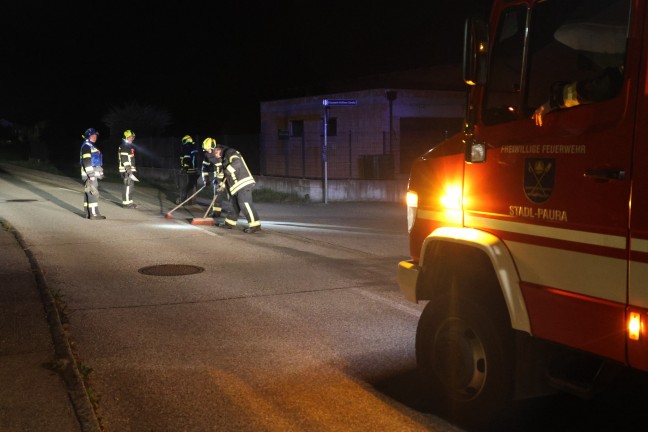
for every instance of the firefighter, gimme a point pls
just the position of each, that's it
(607, 51)
(91, 171)
(238, 182)
(212, 174)
(571, 94)
(188, 171)
(127, 168)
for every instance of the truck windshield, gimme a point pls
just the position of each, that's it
(579, 41)
(505, 77)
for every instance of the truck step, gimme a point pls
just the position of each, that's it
(581, 375)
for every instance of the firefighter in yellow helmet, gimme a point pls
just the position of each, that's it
(238, 182)
(188, 178)
(127, 168)
(212, 174)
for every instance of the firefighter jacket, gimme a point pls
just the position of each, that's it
(127, 157)
(189, 159)
(237, 174)
(211, 165)
(603, 87)
(91, 161)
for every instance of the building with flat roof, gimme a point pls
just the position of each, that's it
(377, 136)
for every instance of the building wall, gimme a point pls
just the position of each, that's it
(364, 162)
(310, 189)
(363, 131)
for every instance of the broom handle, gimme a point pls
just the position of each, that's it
(183, 202)
(210, 206)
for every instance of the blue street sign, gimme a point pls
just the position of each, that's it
(334, 102)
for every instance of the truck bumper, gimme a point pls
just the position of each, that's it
(408, 273)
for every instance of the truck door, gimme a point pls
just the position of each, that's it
(558, 194)
(638, 268)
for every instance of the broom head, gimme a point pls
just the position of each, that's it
(202, 221)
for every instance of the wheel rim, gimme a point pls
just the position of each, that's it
(458, 359)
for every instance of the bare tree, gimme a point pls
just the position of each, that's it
(146, 120)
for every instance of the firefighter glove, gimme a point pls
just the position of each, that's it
(90, 187)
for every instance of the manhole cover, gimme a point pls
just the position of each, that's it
(20, 200)
(171, 270)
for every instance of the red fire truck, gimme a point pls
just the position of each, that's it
(529, 230)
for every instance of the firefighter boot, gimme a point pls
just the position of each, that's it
(93, 214)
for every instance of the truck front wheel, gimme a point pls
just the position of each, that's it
(464, 350)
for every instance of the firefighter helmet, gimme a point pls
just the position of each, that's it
(187, 140)
(89, 132)
(129, 133)
(209, 143)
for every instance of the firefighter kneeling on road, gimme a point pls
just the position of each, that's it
(127, 168)
(91, 170)
(239, 183)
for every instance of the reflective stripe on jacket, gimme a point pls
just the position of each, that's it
(126, 157)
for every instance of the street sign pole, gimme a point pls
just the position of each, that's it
(325, 156)
(328, 103)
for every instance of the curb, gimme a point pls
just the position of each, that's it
(69, 369)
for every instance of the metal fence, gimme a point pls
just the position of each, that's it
(352, 155)
(158, 152)
(164, 152)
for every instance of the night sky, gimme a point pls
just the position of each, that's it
(208, 63)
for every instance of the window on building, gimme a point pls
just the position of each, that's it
(331, 129)
(297, 128)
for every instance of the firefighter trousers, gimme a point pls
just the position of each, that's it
(91, 197)
(221, 196)
(127, 190)
(242, 202)
(187, 183)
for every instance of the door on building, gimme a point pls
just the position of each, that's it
(419, 134)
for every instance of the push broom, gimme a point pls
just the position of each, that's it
(168, 215)
(205, 220)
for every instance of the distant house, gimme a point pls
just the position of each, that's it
(377, 138)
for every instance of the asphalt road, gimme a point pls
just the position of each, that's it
(301, 327)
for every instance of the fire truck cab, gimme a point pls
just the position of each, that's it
(529, 230)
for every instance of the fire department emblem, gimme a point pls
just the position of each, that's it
(539, 178)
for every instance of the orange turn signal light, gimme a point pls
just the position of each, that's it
(635, 326)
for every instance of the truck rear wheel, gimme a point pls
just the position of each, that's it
(464, 350)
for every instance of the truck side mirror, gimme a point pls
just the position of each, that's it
(475, 62)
